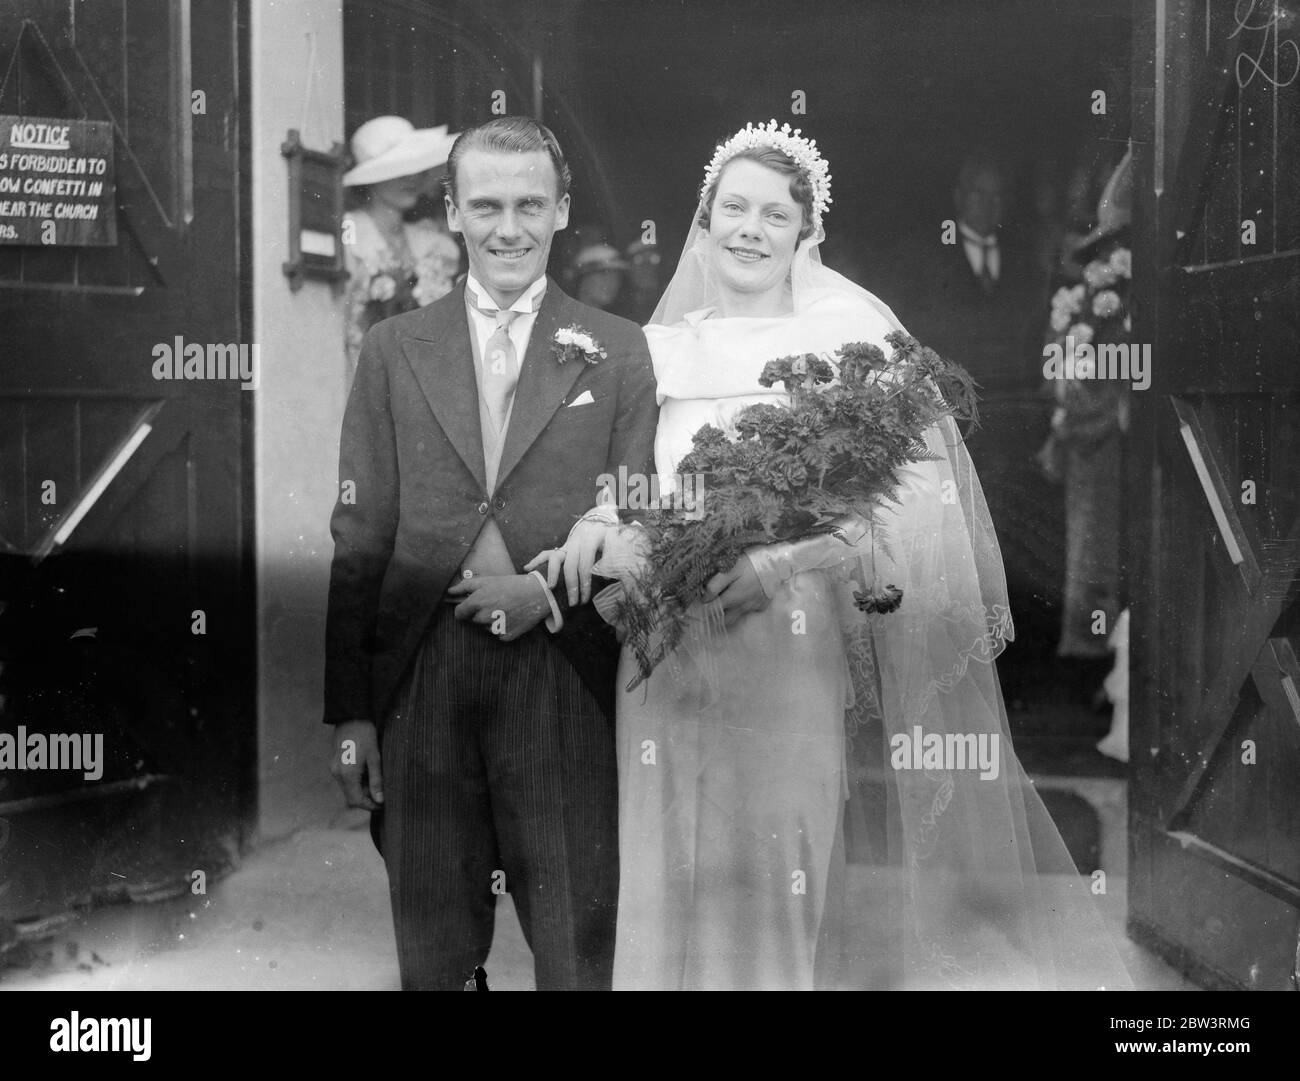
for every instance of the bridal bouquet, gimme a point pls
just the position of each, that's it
(791, 472)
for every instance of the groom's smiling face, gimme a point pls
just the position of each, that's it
(508, 208)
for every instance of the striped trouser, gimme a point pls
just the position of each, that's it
(499, 773)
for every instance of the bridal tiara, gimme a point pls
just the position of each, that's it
(802, 151)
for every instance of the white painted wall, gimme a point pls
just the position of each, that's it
(297, 82)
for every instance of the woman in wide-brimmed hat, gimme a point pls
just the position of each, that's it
(1084, 450)
(394, 265)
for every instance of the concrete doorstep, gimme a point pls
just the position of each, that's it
(307, 913)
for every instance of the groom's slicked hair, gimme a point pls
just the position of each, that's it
(509, 135)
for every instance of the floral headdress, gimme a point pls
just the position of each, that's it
(803, 152)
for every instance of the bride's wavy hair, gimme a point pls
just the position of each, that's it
(801, 190)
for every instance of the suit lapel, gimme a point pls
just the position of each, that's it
(543, 382)
(443, 362)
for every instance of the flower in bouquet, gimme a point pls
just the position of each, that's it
(797, 372)
(1099, 273)
(858, 360)
(1066, 304)
(1069, 298)
(1096, 310)
(1106, 304)
(880, 601)
(709, 440)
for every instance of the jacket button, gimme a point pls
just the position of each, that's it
(483, 508)
(501, 503)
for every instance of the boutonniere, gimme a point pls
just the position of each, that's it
(573, 342)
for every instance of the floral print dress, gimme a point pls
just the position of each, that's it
(387, 279)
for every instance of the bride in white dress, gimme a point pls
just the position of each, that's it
(763, 740)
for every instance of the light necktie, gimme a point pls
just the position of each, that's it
(500, 369)
(500, 360)
(985, 275)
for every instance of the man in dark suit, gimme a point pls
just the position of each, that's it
(971, 292)
(977, 294)
(473, 708)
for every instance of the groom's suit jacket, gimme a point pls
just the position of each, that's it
(413, 494)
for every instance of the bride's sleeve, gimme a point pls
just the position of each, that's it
(855, 541)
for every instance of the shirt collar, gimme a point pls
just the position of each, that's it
(528, 302)
(990, 241)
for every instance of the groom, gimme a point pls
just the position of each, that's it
(474, 708)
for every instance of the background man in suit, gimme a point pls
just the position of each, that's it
(982, 301)
(979, 299)
(478, 704)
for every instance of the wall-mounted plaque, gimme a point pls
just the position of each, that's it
(56, 182)
(315, 212)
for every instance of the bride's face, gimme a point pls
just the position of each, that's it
(753, 228)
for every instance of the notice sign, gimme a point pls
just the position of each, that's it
(56, 182)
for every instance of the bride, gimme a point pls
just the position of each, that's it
(775, 829)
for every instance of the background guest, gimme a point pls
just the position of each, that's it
(597, 275)
(643, 287)
(1084, 449)
(978, 298)
(394, 264)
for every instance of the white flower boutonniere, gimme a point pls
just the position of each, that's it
(574, 342)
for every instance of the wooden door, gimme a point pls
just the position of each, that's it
(124, 500)
(1212, 490)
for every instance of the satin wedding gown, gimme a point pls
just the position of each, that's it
(744, 754)
(732, 755)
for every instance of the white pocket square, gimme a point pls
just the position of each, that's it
(584, 398)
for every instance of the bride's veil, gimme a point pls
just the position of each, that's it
(957, 877)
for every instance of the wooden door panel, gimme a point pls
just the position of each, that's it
(1220, 926)
(168, 530)
(1215, 835)
(1241, 323)
(126, 64)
